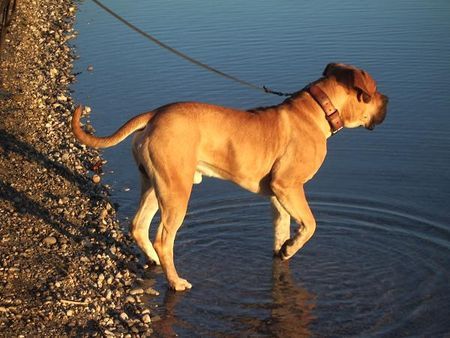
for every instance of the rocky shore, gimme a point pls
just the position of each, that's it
(67, 268)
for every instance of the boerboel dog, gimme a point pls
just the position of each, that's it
(271, 151)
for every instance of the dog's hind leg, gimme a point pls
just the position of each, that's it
(173, 184)
(140, 225)
(173, 210)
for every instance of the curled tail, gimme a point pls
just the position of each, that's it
(136, 123)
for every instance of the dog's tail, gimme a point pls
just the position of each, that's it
(134, 124)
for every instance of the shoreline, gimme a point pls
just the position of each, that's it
(66, 267)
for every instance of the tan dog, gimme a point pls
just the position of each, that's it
(271, 151)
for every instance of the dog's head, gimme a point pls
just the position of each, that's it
(363, 105)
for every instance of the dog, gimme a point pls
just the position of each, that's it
(272, 151)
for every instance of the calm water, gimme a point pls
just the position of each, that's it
(379, 262)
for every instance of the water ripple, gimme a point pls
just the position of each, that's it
(372, 268)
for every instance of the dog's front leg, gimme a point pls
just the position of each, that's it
(281, 225)
(294, 201)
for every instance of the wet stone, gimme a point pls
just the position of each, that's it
(137, 291)
(151, 291)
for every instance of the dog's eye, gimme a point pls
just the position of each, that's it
(363, 96)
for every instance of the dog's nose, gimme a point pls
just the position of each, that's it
(381, 115)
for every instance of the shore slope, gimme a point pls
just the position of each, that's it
(66, 265)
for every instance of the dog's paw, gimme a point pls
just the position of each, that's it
(154, 261)
(180, 285)
(285, 252)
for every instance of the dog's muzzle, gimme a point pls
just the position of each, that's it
(379, 117)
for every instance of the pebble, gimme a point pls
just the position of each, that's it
(50, 240)
(100, 280)
(151, 291)
(76, 261)
(137, 291)
(53, 72)
(130, 299)
(65, 157)
(103, 214)
(62, 98)
(146, 319)
(108, 333)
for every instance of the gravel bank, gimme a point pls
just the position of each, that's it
(66, 266)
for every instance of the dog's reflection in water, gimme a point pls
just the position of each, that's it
(289, 315)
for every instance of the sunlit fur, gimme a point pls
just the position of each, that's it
(354, 112)
(272, 151)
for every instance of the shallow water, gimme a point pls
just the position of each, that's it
(378, 263)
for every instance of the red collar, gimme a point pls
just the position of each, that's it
(331, 113)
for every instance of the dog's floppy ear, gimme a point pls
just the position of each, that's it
(365, 82)
(352, 76)
(329, 69)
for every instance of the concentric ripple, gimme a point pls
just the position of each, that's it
(371, 269)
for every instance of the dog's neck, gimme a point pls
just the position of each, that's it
(304, 100)
(331, 112)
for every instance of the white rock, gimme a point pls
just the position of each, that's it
(146, 318)
(50, 240)
(137, 291)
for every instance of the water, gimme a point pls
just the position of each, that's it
(378, 263)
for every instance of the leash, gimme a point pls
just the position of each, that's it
(185, 56)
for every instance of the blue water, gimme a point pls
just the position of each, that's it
(378, 264)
